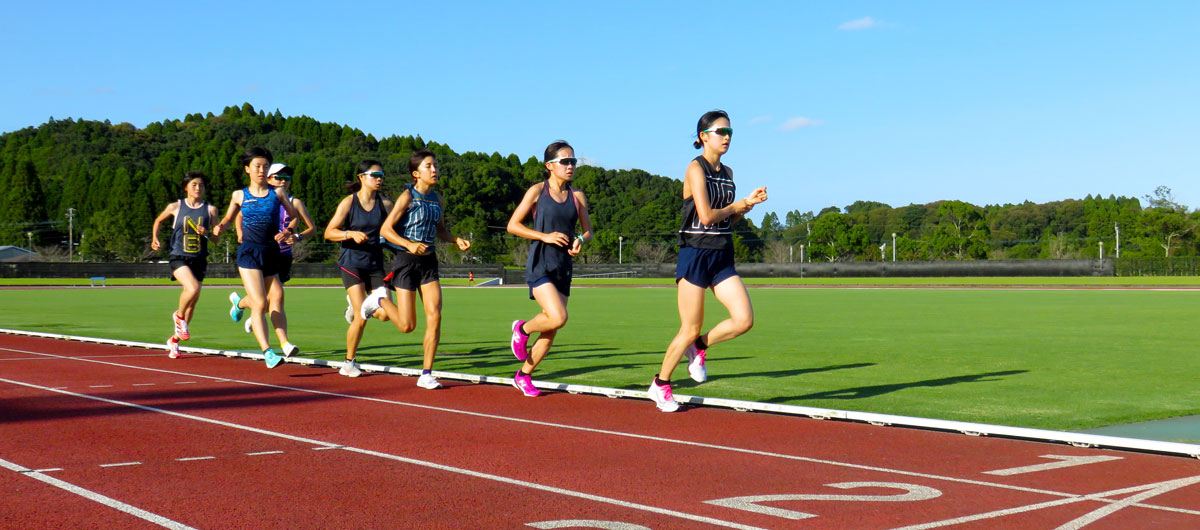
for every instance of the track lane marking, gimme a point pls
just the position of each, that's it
(121, 464)
(96, 497)
(1072, 497)
(398, 458)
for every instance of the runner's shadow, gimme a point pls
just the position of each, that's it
(877, 390)
(790, 373)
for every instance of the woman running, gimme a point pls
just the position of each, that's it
(414, 224)
(189, 251)
(706, 257)
(356, 224)
(556, 207)
(280, 176)
(258, 253)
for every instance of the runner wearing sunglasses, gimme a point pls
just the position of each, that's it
(556, 208)
(706, 257)
(415, 224)
(356, 224)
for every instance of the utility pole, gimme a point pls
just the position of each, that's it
(70, 234)
(1117, 228)
(893, 247)
(620, 249)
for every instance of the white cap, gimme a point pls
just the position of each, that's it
(278, 167)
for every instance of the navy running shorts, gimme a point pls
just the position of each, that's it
(704, 267)
(563, 285)
(259, 257)
(369, 278)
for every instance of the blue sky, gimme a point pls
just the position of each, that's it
(832, 102)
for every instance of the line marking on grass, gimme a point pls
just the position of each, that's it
(592, 430)
(96, 497)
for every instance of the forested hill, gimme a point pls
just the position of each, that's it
(113, 179)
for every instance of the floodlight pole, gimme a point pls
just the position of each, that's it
(802, 254)
(70, 234)
(893, 247)
(620, 249)
(1101, 250)
(29, 235)
(1117, 228)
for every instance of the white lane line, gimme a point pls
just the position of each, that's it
(119, 464)
(616, 433)
(422, 463)
(144, 384)
(99, 386)
(327, 448)
(185, 382)
(260, 453)
(84, 357)
(1064, 461)
(96, 497)
(48, 469)
(194, 458)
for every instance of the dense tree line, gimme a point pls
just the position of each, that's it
(111, 180)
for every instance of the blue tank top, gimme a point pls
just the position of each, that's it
(369, 254)
(552, 216)
(420, 221)
(260, 217)
(721, 191)
(186, 241)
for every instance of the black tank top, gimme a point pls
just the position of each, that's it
(551, 216)
(369, 254)
(185, 239)
(720, 194)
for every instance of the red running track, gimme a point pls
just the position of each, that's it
(96, 436)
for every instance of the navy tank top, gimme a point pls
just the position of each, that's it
(369, 254)
(260, 217)
(186, 240)
(420, 221)
(720, 194)
(551, 216)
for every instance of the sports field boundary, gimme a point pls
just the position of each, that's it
(968, 428)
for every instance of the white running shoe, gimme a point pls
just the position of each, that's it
(428, 381)
(373, 302)
(696, 368)
(349, 311)
(663, 397)
(350, 369)
(290, 349)
(173, 347)
(249, 326)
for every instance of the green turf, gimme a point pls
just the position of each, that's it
(1058, 359)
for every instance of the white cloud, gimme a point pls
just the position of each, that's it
(760, 119)
(798, 123)
(862, 23)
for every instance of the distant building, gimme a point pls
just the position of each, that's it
(12, 254)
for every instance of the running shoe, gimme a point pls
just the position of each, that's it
(181, 327)
(428, 381)
(350, 369)
(289, 350)
(663, 397)
(273, 359)
(520, 341)
(372, 302)
(249, 325)
(524, 383)
(173, 347)
(696, 368)
(235, 312)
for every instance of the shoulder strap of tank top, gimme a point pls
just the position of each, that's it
(570, 193)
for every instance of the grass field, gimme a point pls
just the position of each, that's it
(1045, 358)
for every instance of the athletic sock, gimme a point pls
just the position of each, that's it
(700, 345)
(660, 382)
(426, 372)
(522, 330)
(522, 372)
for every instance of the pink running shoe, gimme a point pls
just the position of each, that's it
(173, 347)
(520, 342)
(696, 368)
(524, 383)
(181, 327)
(663, 398)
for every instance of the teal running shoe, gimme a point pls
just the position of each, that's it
(235, 312)
(273, 359)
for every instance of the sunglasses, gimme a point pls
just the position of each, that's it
(721, 131)
(283, 178)
(374, 174)
(571, 161)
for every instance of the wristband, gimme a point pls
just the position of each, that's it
(580, 238)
